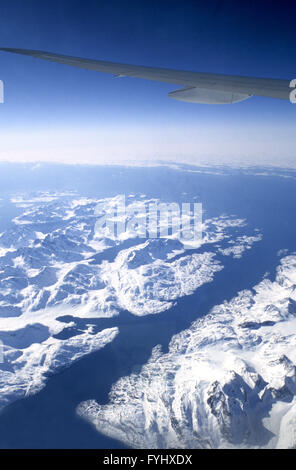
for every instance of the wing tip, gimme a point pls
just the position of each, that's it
(18, 51)
(11, 49)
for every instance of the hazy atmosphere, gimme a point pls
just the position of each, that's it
(53, 112)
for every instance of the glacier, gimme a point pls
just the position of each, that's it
(55, 266)
(229, 381)
(147, 341)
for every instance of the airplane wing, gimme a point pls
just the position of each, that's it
(199, 87)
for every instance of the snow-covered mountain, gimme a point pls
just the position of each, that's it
(227, 381)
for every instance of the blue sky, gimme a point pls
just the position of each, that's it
(59, 113)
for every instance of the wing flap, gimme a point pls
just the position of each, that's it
(206, 96)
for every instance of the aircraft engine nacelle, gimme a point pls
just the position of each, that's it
(207, 96)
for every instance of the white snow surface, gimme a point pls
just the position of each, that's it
(229, 381)
(49, 269)
(47, 260)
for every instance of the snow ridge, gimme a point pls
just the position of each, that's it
(229, 381)
(54, 264)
